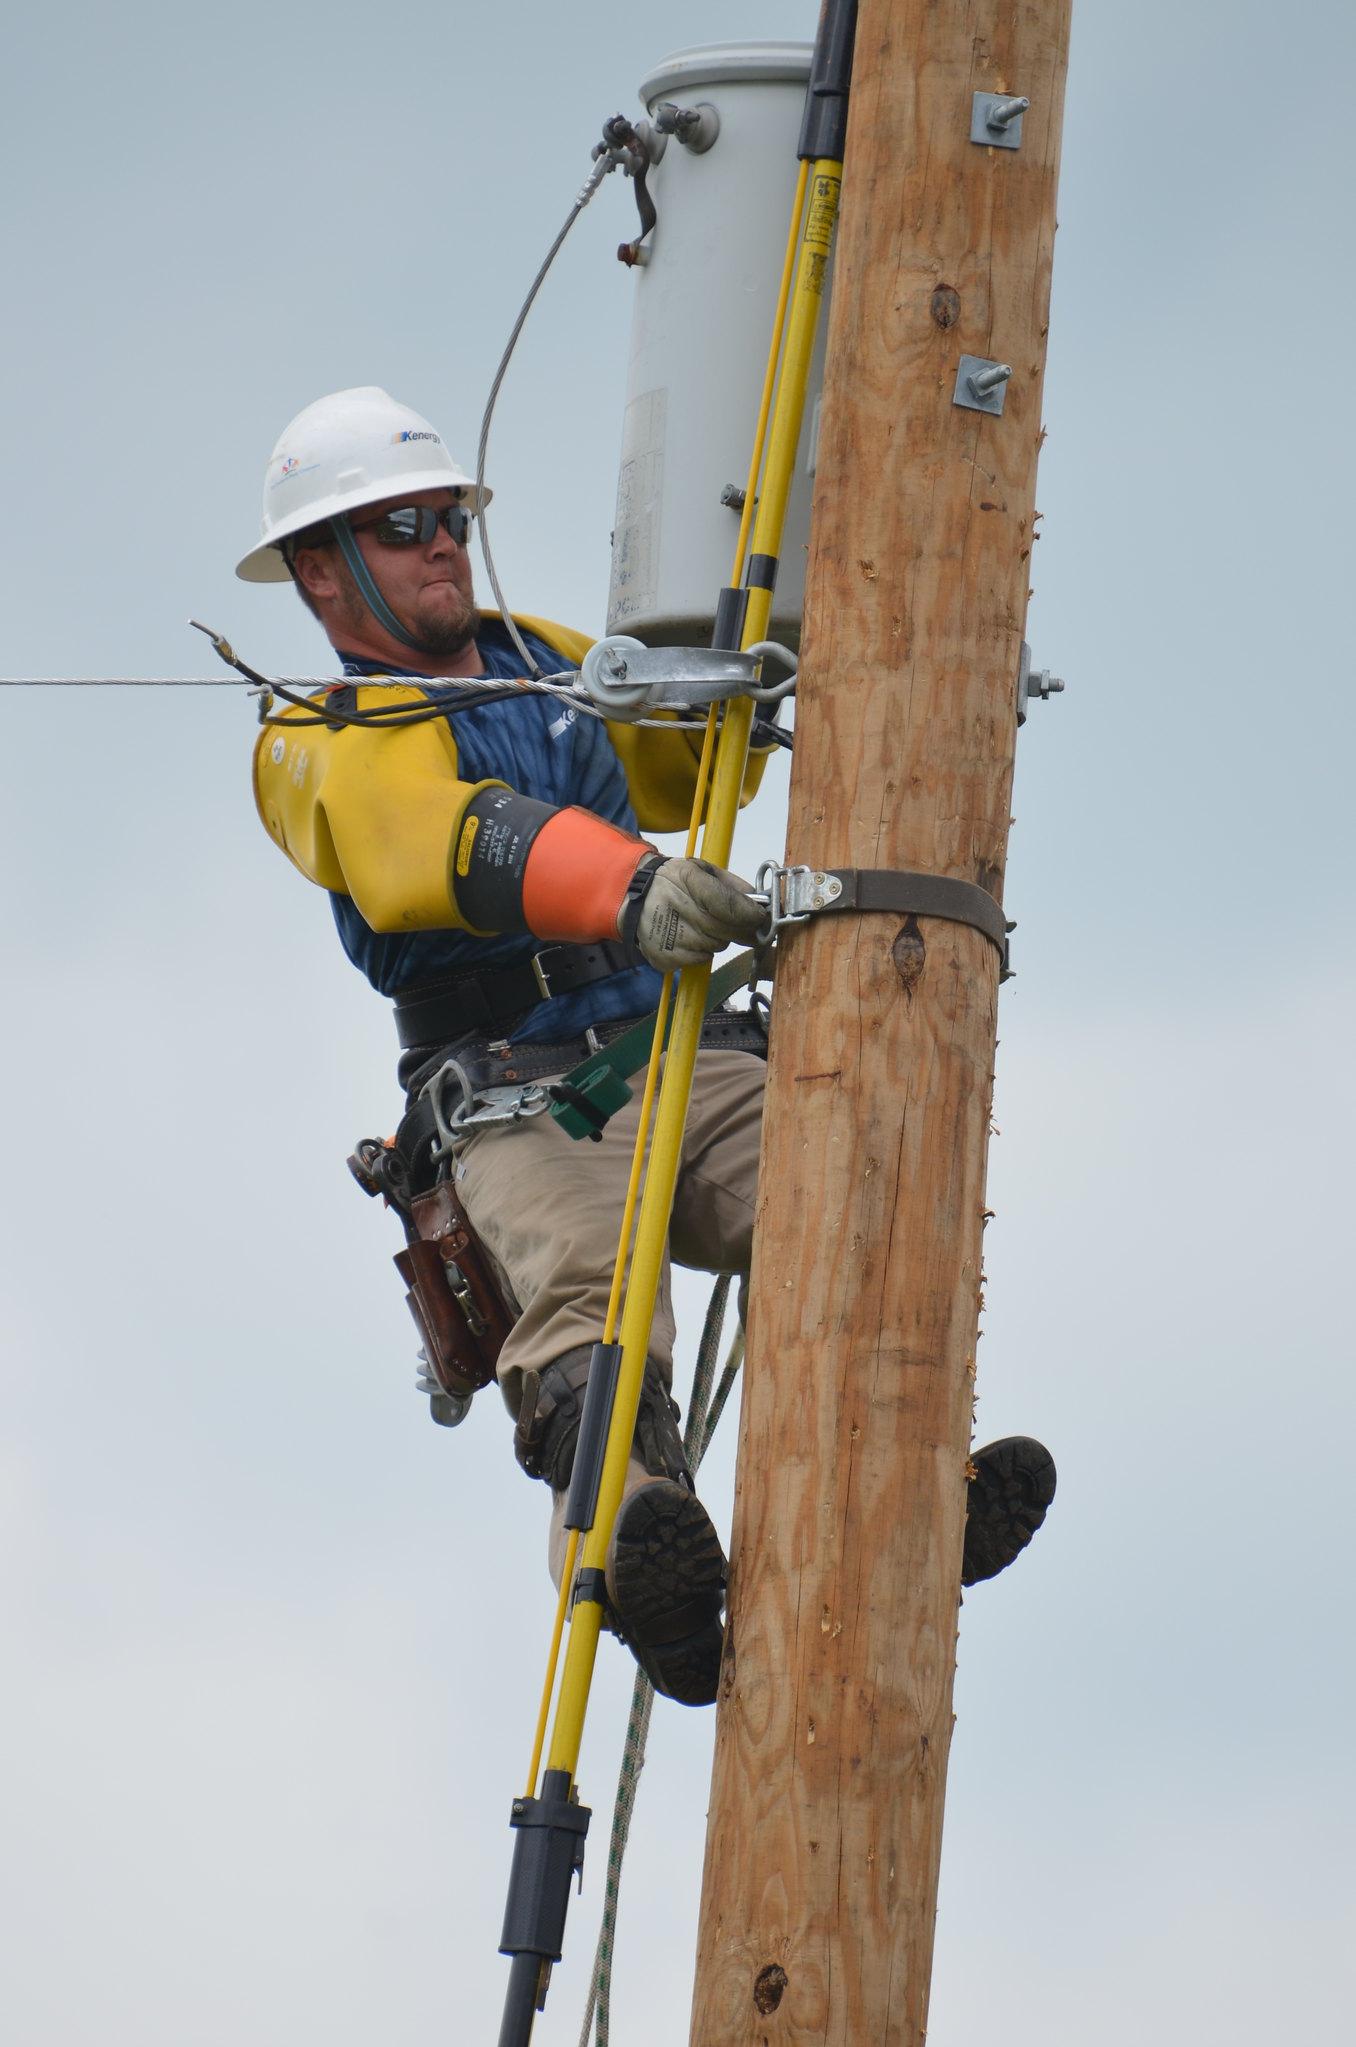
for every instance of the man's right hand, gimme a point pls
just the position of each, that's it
(691, 910)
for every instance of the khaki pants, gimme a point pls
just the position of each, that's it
(548, 1209)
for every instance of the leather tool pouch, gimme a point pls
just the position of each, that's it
(453, 1293)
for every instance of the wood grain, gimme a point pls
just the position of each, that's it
(834, 1724)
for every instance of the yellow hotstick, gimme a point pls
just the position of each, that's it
(656, 1204)
(666, 993)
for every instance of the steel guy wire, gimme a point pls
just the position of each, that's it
(558, 684)
(606, 161)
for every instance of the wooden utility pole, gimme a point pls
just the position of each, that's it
(820, 1886)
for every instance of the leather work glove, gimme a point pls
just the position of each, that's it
(679, 913)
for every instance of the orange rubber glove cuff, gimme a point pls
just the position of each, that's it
(575, 880)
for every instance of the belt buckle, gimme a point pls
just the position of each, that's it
(540, 975)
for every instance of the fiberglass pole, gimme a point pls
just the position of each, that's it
(820, 1886)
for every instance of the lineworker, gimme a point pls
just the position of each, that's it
(486, 871)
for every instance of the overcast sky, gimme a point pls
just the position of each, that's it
(273, 1641)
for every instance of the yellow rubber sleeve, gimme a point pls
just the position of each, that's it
(371, 813)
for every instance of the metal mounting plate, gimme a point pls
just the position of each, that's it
(792, 894)
(1033, 682)
(1007, 136)
(979, 401)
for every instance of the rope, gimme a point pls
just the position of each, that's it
(723, 1391)
(701, 1426)
(632, 1763)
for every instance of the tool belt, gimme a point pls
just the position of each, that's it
(491, 1000)
(452, 1290)
(452, 1293)
(489, 1063)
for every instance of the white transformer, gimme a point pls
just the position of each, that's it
(705, 298)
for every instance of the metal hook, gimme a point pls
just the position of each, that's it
(773, 692)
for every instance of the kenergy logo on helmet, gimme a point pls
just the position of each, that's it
(409, 433)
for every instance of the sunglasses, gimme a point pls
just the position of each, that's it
(415, 525)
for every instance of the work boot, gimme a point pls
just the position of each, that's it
(666, 1586)
(665, 1565)
(1013, 1484)
(553, 1406)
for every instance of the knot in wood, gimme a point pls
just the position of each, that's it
(769, 1986)
(945, 306)
(910, 955)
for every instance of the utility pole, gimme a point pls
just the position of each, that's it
(820, 1887)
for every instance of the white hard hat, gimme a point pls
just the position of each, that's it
(351, 449)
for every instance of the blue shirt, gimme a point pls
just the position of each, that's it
(541, 747)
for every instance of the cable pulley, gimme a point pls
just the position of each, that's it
(625, 678)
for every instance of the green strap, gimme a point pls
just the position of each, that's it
(590, 1093)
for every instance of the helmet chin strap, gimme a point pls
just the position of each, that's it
(367, 588)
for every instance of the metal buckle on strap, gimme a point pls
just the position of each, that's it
(477, 1107)
(792, 895)
(540, 975)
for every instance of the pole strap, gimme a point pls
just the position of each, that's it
(795, 894)
(908, 894)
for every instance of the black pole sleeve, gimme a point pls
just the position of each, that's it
(824, 129)
(731, 606)
(520, 2003)
(599, 1395)
(548, 1853)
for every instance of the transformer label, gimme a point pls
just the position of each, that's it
(640, 504)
